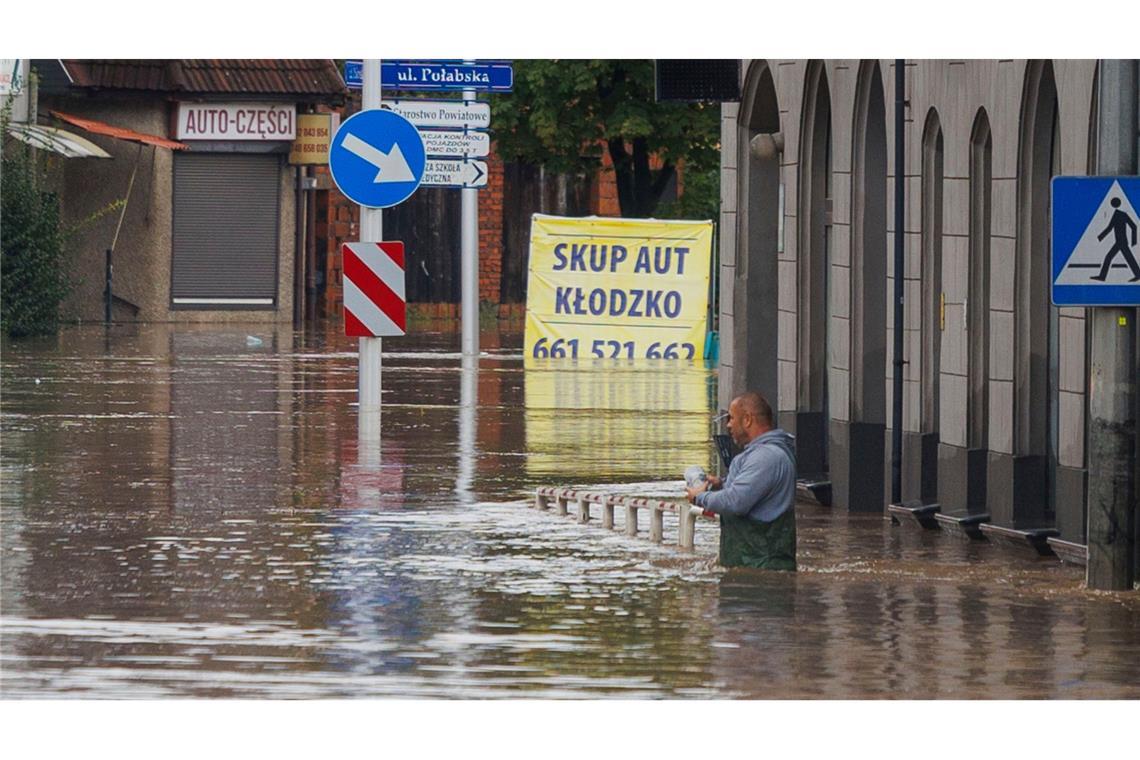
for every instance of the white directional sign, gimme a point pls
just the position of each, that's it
(445, 142)
(455, 173)
(461, 114)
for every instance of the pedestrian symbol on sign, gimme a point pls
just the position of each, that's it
(1119, 227)
(1095, 232)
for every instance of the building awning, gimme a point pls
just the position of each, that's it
(56, 140)
(121, 133)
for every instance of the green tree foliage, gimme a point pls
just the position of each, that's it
(563, 113)
(33, 279)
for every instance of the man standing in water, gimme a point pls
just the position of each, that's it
(756, 500)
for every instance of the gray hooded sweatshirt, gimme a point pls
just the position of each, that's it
(761, 481)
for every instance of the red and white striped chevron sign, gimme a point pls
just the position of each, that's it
(374, 301)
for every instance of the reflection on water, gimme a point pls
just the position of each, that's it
(617, 419)
(188, 512)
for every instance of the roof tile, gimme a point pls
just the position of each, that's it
(315, 77)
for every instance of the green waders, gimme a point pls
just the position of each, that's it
(771, 546)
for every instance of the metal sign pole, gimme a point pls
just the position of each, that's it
(469, 272)
(368, 430)
(1112, 487)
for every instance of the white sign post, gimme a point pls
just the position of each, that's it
(469, 270)
(369, 367)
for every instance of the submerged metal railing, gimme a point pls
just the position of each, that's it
(686, 515)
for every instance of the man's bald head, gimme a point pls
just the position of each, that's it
(749, 415)
(756, 405)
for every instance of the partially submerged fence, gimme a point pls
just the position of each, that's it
(686, 515)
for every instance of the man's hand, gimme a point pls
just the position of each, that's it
(714, 483)
(692, 492)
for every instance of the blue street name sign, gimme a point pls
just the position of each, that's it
(1095, 229)
(481, 76)
(354, 74)
(377, 158)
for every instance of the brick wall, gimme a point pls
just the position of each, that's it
(491, 230)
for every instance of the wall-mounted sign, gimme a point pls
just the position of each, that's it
(12, 74)
(13, 78)
(236, 121)
(314, 135)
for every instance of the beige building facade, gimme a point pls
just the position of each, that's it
(995, 377)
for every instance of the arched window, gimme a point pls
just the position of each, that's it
(813, 200)
(977, 319)
(931, 277)
(1036, 322)
(756, 277)
(869, 252)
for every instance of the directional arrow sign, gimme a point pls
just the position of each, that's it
(377, 158)
(391, 166)
(461, 114)
(444, 142)
(455, 173)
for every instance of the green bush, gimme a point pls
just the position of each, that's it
(33, 278)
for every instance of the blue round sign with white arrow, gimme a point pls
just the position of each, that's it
(377, 158)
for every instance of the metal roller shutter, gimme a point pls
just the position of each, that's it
(225, 230)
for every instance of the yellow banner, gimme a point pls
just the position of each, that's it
(602, 288)
(314, 134)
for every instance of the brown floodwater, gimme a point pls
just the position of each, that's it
(185, 511)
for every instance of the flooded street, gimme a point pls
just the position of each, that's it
(185, 512)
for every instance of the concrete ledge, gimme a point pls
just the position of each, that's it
(1069, 552)
(814, 492)
(1029, 539)
(963, 525)
(915, 513)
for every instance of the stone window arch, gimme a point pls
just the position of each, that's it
(869, 250)
(978, 289)
(933, 182)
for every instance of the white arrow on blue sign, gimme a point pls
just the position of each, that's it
(377, 158)
(1095, 231)
(455, 173)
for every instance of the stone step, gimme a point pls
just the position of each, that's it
(963, 524)
(915, 513)
(814, 491)
(1034, 540)
(1068, 551)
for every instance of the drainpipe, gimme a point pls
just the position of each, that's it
(298, 248)
(900, 264)
(1112, 366)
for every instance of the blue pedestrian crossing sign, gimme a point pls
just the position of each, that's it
(1095, 233)
(377, 158)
